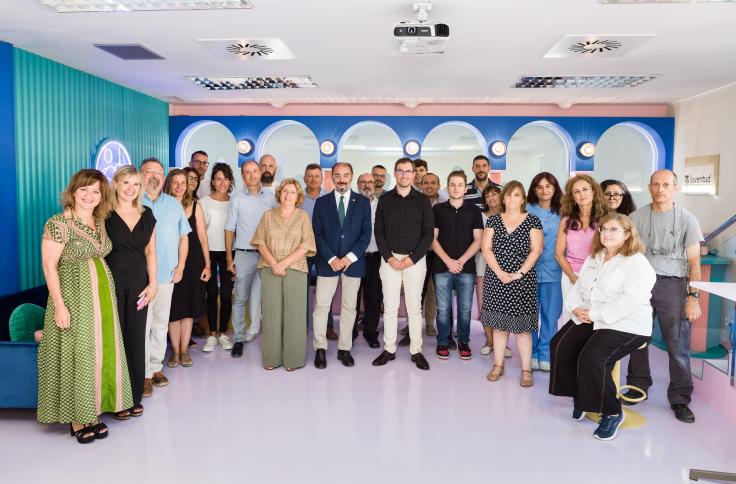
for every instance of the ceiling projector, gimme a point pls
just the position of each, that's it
(420, 36)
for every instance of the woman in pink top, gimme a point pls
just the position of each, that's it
(582, 207)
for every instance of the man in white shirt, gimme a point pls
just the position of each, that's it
(267, 165)
(200, 162)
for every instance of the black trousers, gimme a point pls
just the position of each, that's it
(668, 303)
(372, 295)
(133, 327)
(218, 264)
(582, 362)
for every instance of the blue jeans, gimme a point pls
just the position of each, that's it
(549, 295)
(464, 284)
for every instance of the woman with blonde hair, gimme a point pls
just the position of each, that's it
(611, 317)
(582, 206)
(285, 239)
(188, 298)
(512, 242)
(82, 372)
(132, 261)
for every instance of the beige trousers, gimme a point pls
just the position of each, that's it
(413, 280)
(326, 287)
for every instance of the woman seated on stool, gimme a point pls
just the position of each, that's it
(611, 318)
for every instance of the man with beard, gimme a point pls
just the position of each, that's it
(379, 175)
(370, 285)
(481, 168)
(342, 231)
(200, 162)
(404, 231)
(172, 245)
(267, 165)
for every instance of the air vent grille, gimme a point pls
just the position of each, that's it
(581, 82)
(247, 83)
(129, 51)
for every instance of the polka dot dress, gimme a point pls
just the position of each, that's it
(511, 307)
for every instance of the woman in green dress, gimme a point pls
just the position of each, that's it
(82, 371)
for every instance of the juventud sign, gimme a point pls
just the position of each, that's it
(700, 176)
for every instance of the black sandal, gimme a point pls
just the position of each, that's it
(136, 411)
(100, 430)
(85, 435)
(122, 415)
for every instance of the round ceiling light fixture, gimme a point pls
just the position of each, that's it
(245, 147)
(327, 148)
(586, 149)
(498, 149)
(412, 147)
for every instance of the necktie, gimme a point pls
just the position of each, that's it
(341, 210)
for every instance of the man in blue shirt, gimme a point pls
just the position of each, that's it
(246, 209)
(172, 246)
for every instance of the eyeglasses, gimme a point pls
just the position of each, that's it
(613, 195)
(404, 172)
(611, 230)
(200, 163)
(366, 183)
(154, 172)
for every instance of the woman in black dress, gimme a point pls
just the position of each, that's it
(132, 230)
(512, 243)
(188, 298)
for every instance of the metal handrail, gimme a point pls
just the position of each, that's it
(720, 229)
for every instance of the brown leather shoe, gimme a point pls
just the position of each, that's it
(159, 380)
(147, 387)
(331, 335)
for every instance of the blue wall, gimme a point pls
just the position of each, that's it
(9, 179)
(579, 129)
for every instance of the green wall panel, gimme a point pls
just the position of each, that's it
(62, 114)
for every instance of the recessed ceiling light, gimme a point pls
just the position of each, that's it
(585, 82)
(72, 6)
(246, 83)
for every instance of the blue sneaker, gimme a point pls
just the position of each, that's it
(577, 414)
(609, 426)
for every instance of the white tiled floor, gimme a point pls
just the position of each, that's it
(228, 420)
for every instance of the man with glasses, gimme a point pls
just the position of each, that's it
(172, 246)
(200, 162)
(672, 238)
(404, 230)
(474, 194)
(370, 286)
(379, 175)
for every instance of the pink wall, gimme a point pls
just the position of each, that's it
(715, 389)
(623, 110)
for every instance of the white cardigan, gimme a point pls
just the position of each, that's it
(617, 292)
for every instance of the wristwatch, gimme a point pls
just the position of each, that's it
(694, 294)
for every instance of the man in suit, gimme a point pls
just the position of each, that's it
(342, 229)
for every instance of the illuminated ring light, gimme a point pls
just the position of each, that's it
(497, 149)
(110, 156)
(327, 148)
(412, 147)
(245, 147)
(586, 150)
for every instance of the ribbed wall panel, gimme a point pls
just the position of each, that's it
(62, 114)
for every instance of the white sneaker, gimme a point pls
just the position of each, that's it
(486, 350)
(250, 337)
(507, 353)
(544, 366)
(535, 364)
(225, 342)
(210, 344)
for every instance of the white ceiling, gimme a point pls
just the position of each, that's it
(346, 46)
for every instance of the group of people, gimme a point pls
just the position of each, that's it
(129, 263)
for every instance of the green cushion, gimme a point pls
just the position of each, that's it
(25, 320)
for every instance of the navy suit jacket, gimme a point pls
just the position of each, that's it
(335, 241)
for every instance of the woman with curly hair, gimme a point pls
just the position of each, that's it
(617, 196)
(582, 207)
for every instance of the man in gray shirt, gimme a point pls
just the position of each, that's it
(672, 238)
